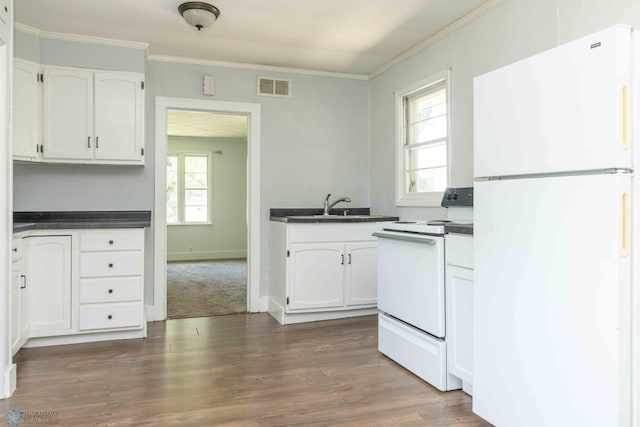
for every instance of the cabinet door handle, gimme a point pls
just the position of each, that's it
(88, 142)
(109, 317)
(342, 259)
(111, 242)
(349, 258)
(15, 249)
(110, 265)
(110, 291)
(97, 142)
(23, 278)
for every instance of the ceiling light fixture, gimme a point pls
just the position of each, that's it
(199, 14)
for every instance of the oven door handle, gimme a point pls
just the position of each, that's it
(405, 237)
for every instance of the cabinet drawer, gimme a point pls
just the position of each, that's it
(420, 353)
(112, 240)
(101, 264)
(108, 316)
(459, 250)
(110, 290)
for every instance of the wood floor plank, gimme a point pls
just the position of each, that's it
(238, 370)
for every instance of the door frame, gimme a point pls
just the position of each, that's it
(252, 111)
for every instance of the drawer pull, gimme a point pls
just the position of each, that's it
(110, 291)
(111, 242)
(109, 317)
(110, 265)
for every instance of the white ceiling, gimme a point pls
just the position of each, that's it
(343, 36)
(205, 124)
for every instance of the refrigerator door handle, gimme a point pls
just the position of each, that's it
(624, 240)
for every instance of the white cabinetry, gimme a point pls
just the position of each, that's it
(316, 275)
(93, 116)
(70, 286)
(20, 294)
(50, 279)
(459, 302)
(27, 110)
(322, 268)
(111, 279)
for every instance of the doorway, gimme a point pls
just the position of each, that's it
(206, 192)
(251, 215)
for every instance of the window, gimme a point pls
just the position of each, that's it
(188, 188)
(423, 136)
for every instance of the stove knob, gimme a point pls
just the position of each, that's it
(455, 196)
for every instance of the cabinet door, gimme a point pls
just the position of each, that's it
(68, 114)
(50, 271)
(119, 116)
(459, 290)
(315, 275)
(361, 281)
(15, 306)
(27, 109)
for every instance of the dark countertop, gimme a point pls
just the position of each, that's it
(307, 215)
(24, 221)
(459, 229)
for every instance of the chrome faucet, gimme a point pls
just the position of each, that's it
(328, 206)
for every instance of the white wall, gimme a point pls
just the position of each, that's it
(514, 30)
(226, 236)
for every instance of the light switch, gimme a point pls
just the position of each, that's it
(207, 85)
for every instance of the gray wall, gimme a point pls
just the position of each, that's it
(314, 143)
(226, 236)
(514, 30)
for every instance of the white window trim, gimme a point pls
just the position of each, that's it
(181, 201)
(431, 199)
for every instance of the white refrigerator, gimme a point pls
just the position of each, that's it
(555, 227)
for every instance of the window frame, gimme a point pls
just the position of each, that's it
(422, 199)
(181, 186)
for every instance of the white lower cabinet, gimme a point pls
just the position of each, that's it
(111, 279)
(316, 275)
(50, 279)
(459, 304)
(322, 268)
(20, 297)
(72, 282)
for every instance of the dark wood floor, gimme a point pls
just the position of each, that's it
(243, 370)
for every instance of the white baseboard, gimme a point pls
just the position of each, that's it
(278, 312)
(82, 338)
(205, 255)
(264, 304)
(10, 381)
(149, 312)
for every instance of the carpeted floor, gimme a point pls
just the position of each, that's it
(206, 288)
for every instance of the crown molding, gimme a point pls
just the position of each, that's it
(455, 25)
(26, 28)
(81, 39)
(245, 66)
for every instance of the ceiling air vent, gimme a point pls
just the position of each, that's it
(273, 87)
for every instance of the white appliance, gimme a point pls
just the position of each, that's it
(555, 331)
(411, 294)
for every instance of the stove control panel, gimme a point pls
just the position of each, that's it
(457, 197)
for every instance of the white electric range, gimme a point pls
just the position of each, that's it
(411, 293)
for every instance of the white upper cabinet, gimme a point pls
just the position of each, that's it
(68, 114)
(93, 116)
(119, 118)
(27, 110)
